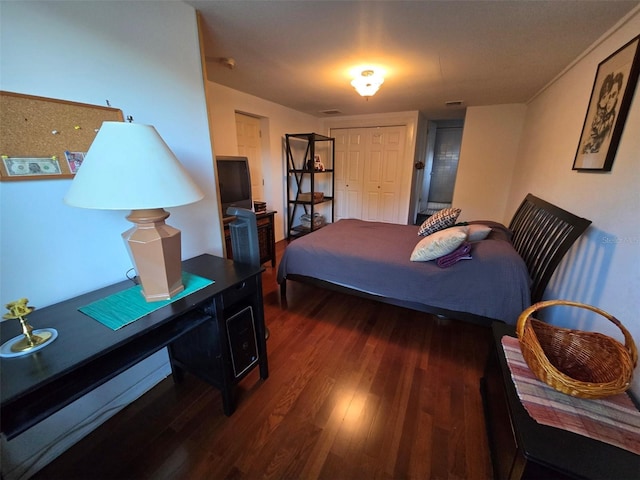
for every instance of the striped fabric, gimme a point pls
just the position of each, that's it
(614, 420)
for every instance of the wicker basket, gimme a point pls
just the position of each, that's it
(578, 363)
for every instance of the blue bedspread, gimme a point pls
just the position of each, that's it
(373, 257)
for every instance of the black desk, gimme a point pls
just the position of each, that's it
(200, 330)
(521, 448)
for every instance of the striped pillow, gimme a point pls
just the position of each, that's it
(444, 218)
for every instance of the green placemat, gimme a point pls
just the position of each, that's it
(127, 306)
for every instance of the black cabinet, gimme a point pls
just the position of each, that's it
(266, 236)
(310, 182)
(221, 352)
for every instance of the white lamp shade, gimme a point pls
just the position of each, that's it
(130, 167)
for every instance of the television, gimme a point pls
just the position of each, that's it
(234, 182)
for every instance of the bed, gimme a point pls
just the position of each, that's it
(508, 272)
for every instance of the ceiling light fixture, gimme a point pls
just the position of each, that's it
(367, 83)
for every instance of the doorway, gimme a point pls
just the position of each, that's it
(440, 178)
(248, 138)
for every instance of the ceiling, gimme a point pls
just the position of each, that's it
(300, 53)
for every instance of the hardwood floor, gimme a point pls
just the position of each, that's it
(357, 390)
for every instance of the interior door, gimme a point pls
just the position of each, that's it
(348, 172)
(248, 138)
(368, 173)
(383, 174)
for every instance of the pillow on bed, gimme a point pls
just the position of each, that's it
(439, 244)
(478, 232)
(444, 218)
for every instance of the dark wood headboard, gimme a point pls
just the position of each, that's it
(542, 235)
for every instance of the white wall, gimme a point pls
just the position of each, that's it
(488, 156)
(144, 58)
(276, 120)
(603, 268)
(126, 54)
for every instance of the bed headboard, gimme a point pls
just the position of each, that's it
(542, 235)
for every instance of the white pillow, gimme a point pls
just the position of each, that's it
(478, 232)
(438, 244)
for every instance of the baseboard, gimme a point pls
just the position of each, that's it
(29, 452)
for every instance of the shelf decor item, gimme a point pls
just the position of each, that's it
(307, 197)
(578, 363)
(31, 339)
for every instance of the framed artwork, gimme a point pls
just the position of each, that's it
(616, 80)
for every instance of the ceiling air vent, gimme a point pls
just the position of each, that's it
(454, 103)
(330, 112)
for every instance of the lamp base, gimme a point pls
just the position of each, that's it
(155, 248)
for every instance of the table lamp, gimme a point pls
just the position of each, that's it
(129, 167)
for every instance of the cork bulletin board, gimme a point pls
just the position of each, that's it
(44, 138)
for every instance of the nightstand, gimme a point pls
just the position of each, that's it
(521, 448)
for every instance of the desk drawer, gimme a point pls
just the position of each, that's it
(239, 291)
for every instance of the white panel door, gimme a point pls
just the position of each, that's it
(349, 172)
(383, 175)
(248, 138)
(393, 142)
(369, 170)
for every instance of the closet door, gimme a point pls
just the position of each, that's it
(349, 172)
(370, 164)
(383, 174)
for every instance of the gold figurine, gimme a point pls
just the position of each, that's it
(19, 309)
